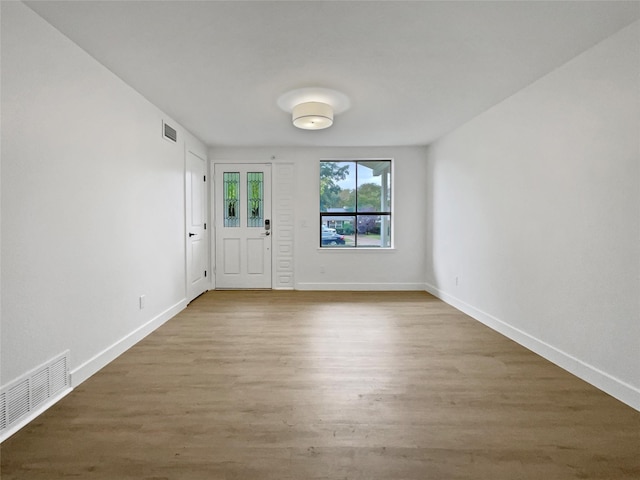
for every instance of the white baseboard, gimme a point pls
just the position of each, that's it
(360, 286)
(110, 353)
(607, 383)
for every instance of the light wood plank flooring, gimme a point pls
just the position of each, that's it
(268, 385)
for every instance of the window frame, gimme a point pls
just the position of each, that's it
(355, 214)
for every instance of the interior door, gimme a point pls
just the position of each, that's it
(196, 217)
(243, 225)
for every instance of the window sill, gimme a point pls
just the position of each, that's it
(356, 249)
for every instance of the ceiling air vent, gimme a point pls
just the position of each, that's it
(169, 132)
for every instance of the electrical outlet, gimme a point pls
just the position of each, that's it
(322, 269)
(457, 283)
(142, 298)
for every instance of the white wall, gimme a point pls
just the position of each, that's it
(92, 205)
(535, 207)
(401, 268)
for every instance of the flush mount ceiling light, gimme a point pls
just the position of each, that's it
(313, 108)
(312, 115)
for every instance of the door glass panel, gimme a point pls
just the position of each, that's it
(255, 199)
(231, 182)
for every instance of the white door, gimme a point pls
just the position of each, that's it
(243, 225)
(196, 217)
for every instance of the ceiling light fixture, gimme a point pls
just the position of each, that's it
(312, 115)
(312, 108)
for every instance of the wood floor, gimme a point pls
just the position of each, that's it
(268, 385)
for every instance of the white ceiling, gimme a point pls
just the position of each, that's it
(412, 70)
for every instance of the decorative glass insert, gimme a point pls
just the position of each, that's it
(255, 199)
(231, 182)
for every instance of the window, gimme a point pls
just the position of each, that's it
(355, 203)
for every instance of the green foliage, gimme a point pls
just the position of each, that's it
(330, 174)
(369, 198)
(348, 199)
(347, 228)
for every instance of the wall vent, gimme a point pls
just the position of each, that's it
(28, 396)
(3, 411)
(18, 401)
(169, 132)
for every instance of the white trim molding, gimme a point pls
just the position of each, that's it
(615, 387)
(360, 286)
(283, 211)
(112, 352)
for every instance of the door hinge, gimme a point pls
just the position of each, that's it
(205, 226)
(205, 178)
(205, 274)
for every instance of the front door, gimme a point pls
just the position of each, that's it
(243, 225)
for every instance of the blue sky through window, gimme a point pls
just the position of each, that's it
(365, 175)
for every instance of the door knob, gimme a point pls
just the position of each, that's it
(192, 234)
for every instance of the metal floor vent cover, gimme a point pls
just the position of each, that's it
(33, 391)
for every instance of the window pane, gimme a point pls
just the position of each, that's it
(374, 231)
(374, 186)
(337, 231)
(337, 186)
(231, 182)
(255, 199)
